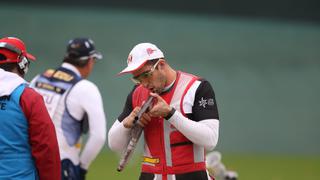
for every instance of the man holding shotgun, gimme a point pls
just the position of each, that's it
(179, 127)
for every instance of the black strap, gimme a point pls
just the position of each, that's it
(181, 144)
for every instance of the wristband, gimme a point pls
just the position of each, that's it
(169, 115)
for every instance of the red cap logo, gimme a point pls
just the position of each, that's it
(129, 60)
(150, 51)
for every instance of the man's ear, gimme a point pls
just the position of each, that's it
(162, 63)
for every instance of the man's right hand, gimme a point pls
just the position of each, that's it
(128, 121)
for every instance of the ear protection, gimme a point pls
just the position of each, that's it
(22, 60)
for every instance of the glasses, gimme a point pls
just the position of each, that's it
(139, 78)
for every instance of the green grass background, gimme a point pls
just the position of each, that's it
(248, 166)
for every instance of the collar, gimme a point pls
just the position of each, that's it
(170, 86)
(71, 68)
(9, 81)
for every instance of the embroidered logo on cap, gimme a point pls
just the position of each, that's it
(150, 51)
(129, 60)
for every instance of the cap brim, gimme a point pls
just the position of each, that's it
(97, 55)
(30, 57)
(132, 68)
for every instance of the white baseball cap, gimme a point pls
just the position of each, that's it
(140, 54)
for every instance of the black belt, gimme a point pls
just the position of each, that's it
(197, 175)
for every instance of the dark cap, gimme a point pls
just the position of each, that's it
(82, 49)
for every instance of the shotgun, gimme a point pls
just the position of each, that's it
(135, 133)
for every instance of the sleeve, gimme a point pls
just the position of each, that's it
(204, 133)
(93, 106)
(201, 126)
(205, 105)
(42, 135)
(118, 136)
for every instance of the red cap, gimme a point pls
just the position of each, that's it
(11, 46)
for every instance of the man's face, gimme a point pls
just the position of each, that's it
(151, 77)
(89, 67)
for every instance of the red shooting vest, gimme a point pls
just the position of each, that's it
(167, 151)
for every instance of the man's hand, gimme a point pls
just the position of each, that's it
(161, 108)
(128, 121)
(145, 119)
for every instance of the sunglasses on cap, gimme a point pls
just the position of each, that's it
(139, 78)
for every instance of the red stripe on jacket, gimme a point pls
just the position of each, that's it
(42, 135)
